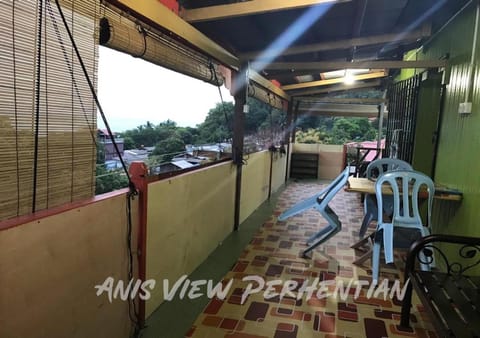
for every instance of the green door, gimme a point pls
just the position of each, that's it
(427, 123)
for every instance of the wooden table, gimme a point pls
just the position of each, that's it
(364, 185)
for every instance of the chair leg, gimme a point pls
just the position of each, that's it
(367, 219)
(388, 242)
(361, 243)
(318, 234)
(367, 255)
(376, 260)
(331, 230)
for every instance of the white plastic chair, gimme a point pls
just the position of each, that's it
(405, 211)
(320, 202)
(375, 169)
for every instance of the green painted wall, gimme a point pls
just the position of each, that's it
(458, 162)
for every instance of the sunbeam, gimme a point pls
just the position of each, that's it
(284, 40)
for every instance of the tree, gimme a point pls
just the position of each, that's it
(143, 135)
(168, 148)
(128, 143)
(217, 126)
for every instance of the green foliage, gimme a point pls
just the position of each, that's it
(312, 135)
(342, 130)
(217, 126)
(107, 181)
(148, 134)
(169, 147)
(128, 143)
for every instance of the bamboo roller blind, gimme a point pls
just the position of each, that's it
(66, 128)
(120, 33)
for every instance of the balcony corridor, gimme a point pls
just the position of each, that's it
(274, 253)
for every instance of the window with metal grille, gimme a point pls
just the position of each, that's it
(402, 113)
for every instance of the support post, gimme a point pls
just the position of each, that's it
(138, 174)
(295, 117)
(381, 112)
(286, 138)
(239, 85)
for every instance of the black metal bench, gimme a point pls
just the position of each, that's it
(452, 298)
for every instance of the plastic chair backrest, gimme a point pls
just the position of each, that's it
(406, 213)
(383, 165)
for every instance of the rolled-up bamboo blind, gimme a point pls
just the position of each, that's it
(264, 95)
(122, 34)
(65, 157)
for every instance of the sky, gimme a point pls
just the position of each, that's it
(133, 91)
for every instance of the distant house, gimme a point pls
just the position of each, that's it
(104, 139)
(370, 155)
(213, 152)
(132, 155)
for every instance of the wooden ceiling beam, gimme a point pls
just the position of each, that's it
(317, 100)
(348, 113)
(254, 76)
(251, 7)
(339, 107)
(323, 66)
(336, 88)
(342, 44)
(333, 81)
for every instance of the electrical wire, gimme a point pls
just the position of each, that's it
(214, 74)
(94, 94)
(131, 303)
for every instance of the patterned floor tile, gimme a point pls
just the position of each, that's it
(274, 257)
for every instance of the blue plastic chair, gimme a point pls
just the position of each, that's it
(375, 169)
(320, 202)
(405, 211)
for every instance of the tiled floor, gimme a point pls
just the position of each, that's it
(274, 254)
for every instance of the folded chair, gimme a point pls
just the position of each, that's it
(375, 169)
(320, 202)
(405, 185)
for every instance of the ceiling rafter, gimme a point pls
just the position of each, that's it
(315, 100)
(302, 68)
(251, 7)
(346, 113)
(336, 88)
(334, 81)
(342, 44)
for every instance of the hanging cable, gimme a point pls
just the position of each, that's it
(143, 32)
(217, 83)
(94, 94)
(37, 103)
(132, 190)
(131, 302)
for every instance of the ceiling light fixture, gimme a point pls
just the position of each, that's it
(348, 78)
